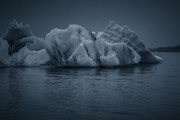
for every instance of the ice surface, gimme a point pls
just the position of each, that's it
(4, 56)
(68, 47)
(26, 57)
(74, 47)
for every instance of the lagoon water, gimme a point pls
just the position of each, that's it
(142, 92)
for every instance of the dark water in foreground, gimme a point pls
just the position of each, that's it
(144, 92)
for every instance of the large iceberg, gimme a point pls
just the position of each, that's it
(74, 46)
(78, 47)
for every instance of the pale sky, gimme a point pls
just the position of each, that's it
(156, 22)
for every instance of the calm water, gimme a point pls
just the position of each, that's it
(150, 92)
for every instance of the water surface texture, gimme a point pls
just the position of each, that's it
(150, 92)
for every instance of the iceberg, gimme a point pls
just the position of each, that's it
(19, 35)
(24, 57)
(19, 47)
(74, 46)
(115, 33)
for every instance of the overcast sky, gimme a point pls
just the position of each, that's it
(157, 23)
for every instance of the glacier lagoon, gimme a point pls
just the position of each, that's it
(139, 92)
(75, 73)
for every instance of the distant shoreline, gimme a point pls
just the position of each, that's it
(166, 49)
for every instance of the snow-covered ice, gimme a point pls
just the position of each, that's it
(74, 46)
